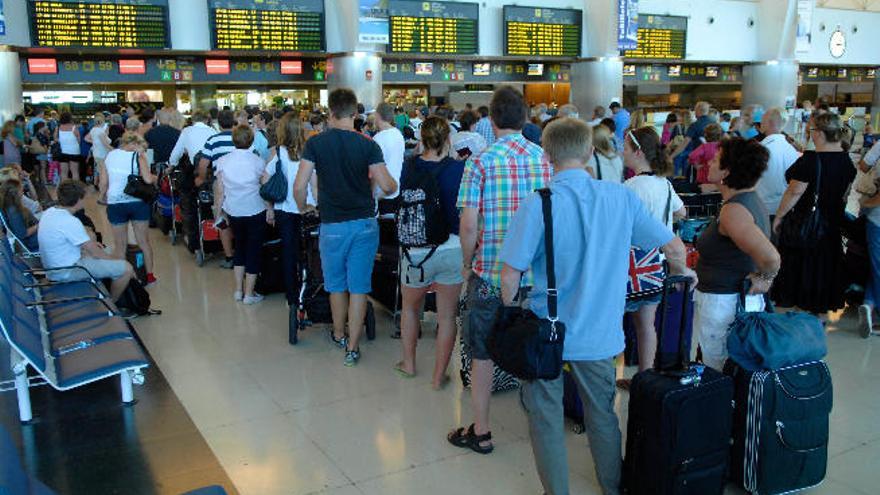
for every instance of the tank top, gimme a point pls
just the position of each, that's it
(119, 166)
(722, 266)
(69, 142)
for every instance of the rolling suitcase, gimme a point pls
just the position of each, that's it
(780, 433)
(270, 280)
(669, 344)
(678, 432)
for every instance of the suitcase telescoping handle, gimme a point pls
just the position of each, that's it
(682, 359)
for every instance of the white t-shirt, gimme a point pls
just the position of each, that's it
(61, 236)
(471, 140)
(611, 168)
(241, 171)
(290, 169)
(772, 184)
(99, 150)
(119, 165)
(655, 193)
(393, 147)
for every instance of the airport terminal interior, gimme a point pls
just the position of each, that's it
(178, 317)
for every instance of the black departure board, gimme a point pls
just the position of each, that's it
(433, 27)
(285, 25)
(99, 24)
(543, 32)
(660, 37)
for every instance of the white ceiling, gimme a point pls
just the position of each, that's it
(865, 5)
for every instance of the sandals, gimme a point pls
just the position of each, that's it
(624, 384)
(443, 383)
(470, 440)
(398, 368)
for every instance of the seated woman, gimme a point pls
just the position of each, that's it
(734, 248)
(20, 221)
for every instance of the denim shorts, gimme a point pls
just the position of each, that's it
(443, 267)
(348, 250)
(637, 304)
(122, 213)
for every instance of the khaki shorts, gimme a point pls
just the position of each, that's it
(443, 267)
(99, 269)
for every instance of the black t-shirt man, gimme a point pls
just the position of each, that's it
(342, 161)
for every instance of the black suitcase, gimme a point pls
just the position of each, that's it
(678, 432)
(780, 433)
(270, 280)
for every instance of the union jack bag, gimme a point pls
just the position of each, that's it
(647, 270)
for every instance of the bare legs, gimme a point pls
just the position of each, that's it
(447, 308)
(350, 308)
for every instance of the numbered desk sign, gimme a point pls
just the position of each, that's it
(647, 271)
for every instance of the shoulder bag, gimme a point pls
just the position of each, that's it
(275, 189)
(528, 347)
(803, 228)
(598, 166)
(136, 186)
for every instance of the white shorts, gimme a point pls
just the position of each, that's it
(713, 314)
(99, 269)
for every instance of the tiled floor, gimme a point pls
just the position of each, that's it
(285, 419)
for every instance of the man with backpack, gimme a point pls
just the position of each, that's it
(349, 166)
(493, 185)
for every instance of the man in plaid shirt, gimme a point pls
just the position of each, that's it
(492, 187)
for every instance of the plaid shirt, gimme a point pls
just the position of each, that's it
(484, 128)
(494, 183)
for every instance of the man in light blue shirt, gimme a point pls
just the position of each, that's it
(261, 142)
(621, 123)
(594, 225)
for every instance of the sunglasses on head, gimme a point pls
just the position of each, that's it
(634, 140)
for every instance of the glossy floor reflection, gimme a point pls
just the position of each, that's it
(293, 420)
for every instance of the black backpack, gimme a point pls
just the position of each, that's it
(421, 222)
(136, 299)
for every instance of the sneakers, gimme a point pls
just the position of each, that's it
(351, 358)
(866, 320)
(151, 279)
(341, 343)
(238, 296)
(254, 299)
(227, 263)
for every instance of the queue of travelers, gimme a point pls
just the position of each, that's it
(608, 174)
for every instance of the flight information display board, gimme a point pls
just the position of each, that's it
(276, 25)
(433, 27)
(99, 24)
(660, 37)
(542, 32)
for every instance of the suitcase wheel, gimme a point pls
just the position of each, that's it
(578, 428)
(370, 322)
(293, 325)
(173, 235)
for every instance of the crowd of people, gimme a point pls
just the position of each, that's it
(609, 179)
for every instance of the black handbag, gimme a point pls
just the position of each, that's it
(804, 228)
(275, 189)
(528, 347)
(136, 186)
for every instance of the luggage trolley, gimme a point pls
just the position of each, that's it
(168, 201)
(313, 301)
(209, 235)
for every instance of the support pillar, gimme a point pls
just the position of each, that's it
(360, 72)
(11, 102)
(596, 83)
(169, 96)
(203, 97)
(770, 84)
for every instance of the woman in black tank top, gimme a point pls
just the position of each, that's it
(735, 247)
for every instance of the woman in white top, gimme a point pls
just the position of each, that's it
(290, 134)
(467, 143)
(643, 154)
(67, 136)
(606, 164)
(100, 141)
(238, 192)
(128, 159)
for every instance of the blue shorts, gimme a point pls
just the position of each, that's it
(122, 213)
(348, 250)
